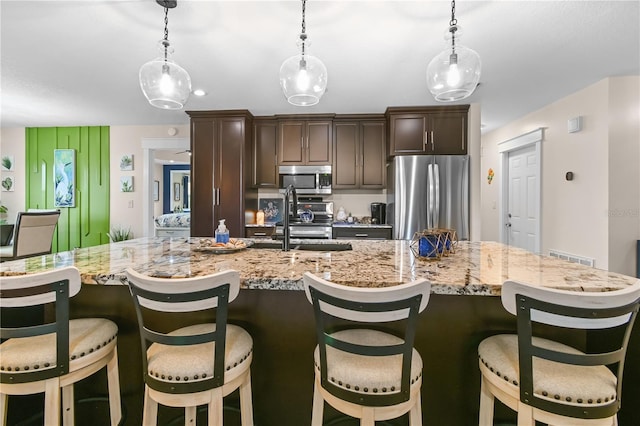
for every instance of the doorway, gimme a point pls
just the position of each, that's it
(149, 148)
(520, 210)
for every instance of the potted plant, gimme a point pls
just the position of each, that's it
(118, 233)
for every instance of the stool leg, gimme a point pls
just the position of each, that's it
(4, 401)
(215, 407)
(150, 413)
(52, 402)
(318, 406)
(525, 415)
(368, 417)
(190, 415)
(113, 380)
(415, 414)
(486, 404)
(246, 404)
(68, 406)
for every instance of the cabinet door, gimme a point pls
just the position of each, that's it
(407, 134)
(373, 157)
(265, 145)
(231, 140)
(346, 155)
(203, 193)
(448, 133)
(291, 142)
(318, 142)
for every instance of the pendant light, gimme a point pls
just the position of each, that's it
(455, 72)
(165, 84)
(303, 77)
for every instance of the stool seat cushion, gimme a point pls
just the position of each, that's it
(368, 374)
(195, 362)
(86, 336)
(588, 385)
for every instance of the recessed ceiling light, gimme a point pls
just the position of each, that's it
(199, 92)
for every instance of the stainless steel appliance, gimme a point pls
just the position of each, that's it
(320, 226)
(306, 179)
(378, 213)
(428, 191)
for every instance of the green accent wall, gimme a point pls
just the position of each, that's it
(86, 224)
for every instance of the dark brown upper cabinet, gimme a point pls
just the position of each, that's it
(359, 152)
(307, 141)
(264, 153)
(428, 130)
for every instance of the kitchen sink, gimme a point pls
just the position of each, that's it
(310, 246)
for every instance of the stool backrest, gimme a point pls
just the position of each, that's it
(33, 234)
(610, 312)
(184, 295)
(22, 291)
(376, 308)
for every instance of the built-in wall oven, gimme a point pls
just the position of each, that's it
(312, 180)
(318, 228)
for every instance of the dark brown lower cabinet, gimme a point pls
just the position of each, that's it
(362, 233)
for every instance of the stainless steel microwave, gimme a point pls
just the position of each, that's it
(306, 179)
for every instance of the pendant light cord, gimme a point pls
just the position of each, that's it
(453, 26)
(165, 42)
(303, 34)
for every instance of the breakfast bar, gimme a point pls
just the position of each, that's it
(462, 311)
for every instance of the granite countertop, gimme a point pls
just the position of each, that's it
(477, 268)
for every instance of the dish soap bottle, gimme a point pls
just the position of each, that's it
(222, 233)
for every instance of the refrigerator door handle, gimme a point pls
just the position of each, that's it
(436, 196)
(430, 199)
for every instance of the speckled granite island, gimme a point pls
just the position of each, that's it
(462, 311)
(477, 268)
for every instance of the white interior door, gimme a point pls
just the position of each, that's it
(523, 199)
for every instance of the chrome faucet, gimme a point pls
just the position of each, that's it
(286, 231)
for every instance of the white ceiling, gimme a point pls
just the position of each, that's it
(69, 63)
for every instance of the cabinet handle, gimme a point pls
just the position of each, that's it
(216, 194)
(362, 235)
(463, 135)
(260, 234)
(425, 138)
(433, 148)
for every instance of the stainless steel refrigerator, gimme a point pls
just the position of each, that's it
(428, 191)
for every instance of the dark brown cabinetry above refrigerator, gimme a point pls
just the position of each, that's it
(305, 141)
(220, 170)
(359, 145)
(265, 153)
(428, 130)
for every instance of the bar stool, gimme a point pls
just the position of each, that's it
(197, 364)
(361, 368)
(548, 380)
(51, 357)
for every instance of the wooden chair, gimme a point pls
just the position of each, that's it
(52, 356)
(33, 235)
(548, 380)
(198, 364)
(362, 369)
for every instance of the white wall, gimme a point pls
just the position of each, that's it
(12, 143)
(576, 214)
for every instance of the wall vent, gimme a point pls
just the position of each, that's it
(588, 261)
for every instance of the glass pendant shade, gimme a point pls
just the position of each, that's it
(454, 73)
(303, 79)
(165, 84)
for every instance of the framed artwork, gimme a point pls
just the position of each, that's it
(156, 190)
(8, 163)
(7, 183)
(272, 208)
(126, 162)
(64, 183)
(176, 191)
(126, 183)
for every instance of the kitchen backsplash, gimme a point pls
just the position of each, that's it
(356, 203)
